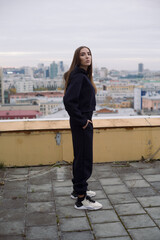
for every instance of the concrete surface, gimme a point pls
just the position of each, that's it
(35, 203)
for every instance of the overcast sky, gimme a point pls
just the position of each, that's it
(120, 33)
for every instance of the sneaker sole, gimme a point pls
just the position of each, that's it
(87, 208)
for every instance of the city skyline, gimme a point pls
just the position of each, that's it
(120, 33)
(65, 67)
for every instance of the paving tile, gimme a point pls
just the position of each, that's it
(140, 164)
(85, 235)
(103, 216)
(61, 174)
(152, 201)
(137, 221)
(152, 178)
(94, 172)
(70, 211)
(11, 237)
(15, 194)
(38, 168)
(12, 215)
(66, 183)
(94, 185)
(109, 230)
(37, 180)
(62, 191)
(122, 198)
(11, 177)
(106, 204)
(157, 221)
(16, 185)
(142, 192)
(103, 167)
(154, 212)
(42, 232)
(93, 179)
(106, 174)
(54, 238)
(149, 171)
(41, 174)
(12, 203)
(116, 238)
(116, 189)
(40, 197)
(156, 185)
(111, 181)
(128, 176)
(145, 233)
(129, 209)
(125, 170)
(11, 228)
(17, 171)
(40, 188)
(40, 207)
(100, 194)
(41, 219)
(137, 183)
(64, 201)
(74, 224)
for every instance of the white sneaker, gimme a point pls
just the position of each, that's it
(88, 203)
(89, 193)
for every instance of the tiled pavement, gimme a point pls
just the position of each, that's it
(37, 206)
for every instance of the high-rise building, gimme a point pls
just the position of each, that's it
(1, 87)
(140, 68)
(60, 68)
(53, 70)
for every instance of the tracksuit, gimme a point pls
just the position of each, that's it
(79, 101)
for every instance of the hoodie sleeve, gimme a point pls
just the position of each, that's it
(71, 100)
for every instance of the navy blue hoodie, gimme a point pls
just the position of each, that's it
(80, 96)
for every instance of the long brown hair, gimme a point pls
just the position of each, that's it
(76, 62)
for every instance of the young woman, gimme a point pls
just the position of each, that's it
(79, 101)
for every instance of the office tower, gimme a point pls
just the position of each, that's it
(46, 72)
(53, 70)
(140, 68)
(1, 87)
(60, 67)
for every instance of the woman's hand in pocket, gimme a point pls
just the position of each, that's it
(88, 121)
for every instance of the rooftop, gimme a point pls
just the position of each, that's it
(35, 203)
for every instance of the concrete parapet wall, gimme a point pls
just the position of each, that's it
(35, 142)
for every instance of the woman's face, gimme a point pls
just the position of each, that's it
(85, 58)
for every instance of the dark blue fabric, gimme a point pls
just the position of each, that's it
(79, 97)
(83, 154)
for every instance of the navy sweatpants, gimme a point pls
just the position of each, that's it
(83, 154)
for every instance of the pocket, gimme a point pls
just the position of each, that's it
(89, 127)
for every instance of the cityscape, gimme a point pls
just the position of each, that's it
(37, 92)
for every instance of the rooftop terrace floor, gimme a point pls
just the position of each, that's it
(35, 203)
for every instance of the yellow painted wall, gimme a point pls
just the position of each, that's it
(114, 140)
